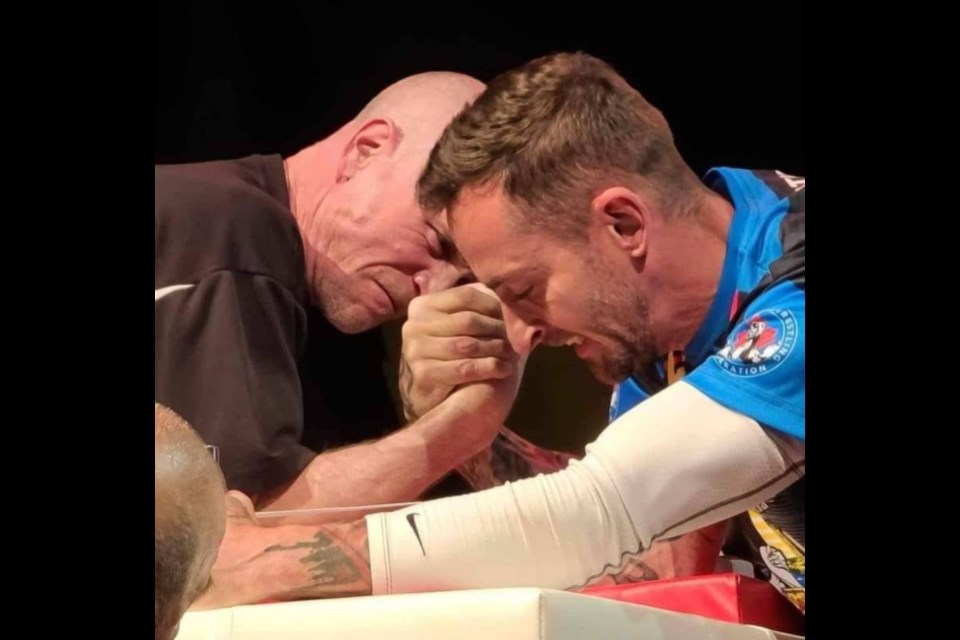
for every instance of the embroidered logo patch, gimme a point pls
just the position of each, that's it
(760, 344)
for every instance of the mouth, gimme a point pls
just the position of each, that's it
(581, 346)
(571, 341)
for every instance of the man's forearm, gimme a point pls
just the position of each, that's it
(291, 562)
(511, 458)
(396, 468)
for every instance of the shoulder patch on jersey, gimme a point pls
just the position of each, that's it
(759, 344)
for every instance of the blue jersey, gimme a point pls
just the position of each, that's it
(749, 353)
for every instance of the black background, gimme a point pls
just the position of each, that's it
(234, 77)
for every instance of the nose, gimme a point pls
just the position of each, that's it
(524, 337)
(440, 276)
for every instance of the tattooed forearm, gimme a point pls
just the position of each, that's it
(510, 458)
(336, 561)
(327, 562)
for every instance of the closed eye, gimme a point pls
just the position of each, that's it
(522, 296)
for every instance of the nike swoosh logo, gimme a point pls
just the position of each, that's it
(159, 293)
(413, 525)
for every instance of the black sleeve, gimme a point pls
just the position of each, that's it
(225, 354)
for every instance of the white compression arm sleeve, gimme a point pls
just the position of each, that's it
(675, 463)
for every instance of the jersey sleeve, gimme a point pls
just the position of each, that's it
(760, 369)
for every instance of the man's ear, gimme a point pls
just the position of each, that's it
(375, 137)
(625, 216)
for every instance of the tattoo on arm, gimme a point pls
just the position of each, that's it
(336, 559)
(478, 472)
(510, 458)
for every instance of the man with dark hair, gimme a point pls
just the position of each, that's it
(563, 191)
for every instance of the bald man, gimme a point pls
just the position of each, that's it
(244, 248)
(189, 518)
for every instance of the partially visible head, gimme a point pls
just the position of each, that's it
(553, 183)
(189, 518)
(369, 249)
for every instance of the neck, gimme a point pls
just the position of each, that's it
(691, 265)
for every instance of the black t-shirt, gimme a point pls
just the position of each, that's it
(231, 323)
